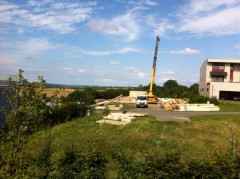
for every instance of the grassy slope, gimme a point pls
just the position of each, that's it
(200, 138)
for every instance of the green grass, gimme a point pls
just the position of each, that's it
(204, 136)
(230, 106)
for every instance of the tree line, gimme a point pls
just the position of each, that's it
(170, 89)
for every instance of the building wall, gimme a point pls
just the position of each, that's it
(236, 73)
(212, 89)
(216, 87)
(203, 86)
(136, 93)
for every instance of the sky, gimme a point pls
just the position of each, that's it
(112, 42)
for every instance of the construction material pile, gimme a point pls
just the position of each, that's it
(198, 107)
(171, 104)
(110, 107)
(120, 118)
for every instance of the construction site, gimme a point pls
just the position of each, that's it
(146, 102)
(150, 104)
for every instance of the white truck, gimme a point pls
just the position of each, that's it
(141, 101)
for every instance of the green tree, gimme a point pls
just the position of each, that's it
(194, 89)
(25, 114)
(81, 96)
(170, 88)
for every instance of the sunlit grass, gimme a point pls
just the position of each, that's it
(204, 136)
(229, 106)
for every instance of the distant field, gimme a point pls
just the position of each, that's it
(59, 91)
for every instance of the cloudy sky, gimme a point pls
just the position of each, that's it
(111, 42)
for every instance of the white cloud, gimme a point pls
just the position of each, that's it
(8, 59)
(114, 63)
(133, 69)
(141, 75)
(127, 50)
(211, 17)
(142, 4)
(6, 6)
(124, 25)
(218, 23)
(202, 18)
(35, 46)
(108, 80)
(167, 73)
(205, 6)
(20, 31)
(151, 2)
(30, 46)
(237, 46)
(186, 51)
(166, 79)
(39, 3)
(136, 73)
(109, 52)
(96, 53)
(68, 70)
(163, 27)
(81, 70)
(59, 17)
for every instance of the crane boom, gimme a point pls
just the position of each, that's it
(151, 97)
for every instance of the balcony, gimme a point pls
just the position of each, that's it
(218, 74)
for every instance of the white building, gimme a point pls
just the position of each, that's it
(220, 78)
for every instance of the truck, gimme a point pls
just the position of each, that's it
(141, 101)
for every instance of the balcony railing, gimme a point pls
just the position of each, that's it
(213, 73)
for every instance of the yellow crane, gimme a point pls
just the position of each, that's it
(151, 97)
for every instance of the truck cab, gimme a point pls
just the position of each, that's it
(141, 101)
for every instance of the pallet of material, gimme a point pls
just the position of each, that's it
(197, 107)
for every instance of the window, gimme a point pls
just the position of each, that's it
(217, 79)
(218, 66)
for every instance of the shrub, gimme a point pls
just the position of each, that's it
(61, 113)
(203, 99)
(166, 166)
(75, 164)
(127, 167)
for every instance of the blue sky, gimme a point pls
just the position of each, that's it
(111, 42)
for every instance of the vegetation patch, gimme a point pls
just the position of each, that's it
(229, 106)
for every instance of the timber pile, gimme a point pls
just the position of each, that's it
(171, 104)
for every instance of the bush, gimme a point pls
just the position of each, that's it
(166, 166)
(75, 164)
(127, 167)
(214, 100)
(61, 113)
(203, 99)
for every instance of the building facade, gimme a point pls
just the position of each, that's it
(220, 78)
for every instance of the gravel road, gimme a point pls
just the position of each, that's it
(162, 115)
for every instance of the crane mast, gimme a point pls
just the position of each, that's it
(151, 97)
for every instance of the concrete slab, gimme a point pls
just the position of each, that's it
(103, 121)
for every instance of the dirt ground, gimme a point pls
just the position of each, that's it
(183, 116)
